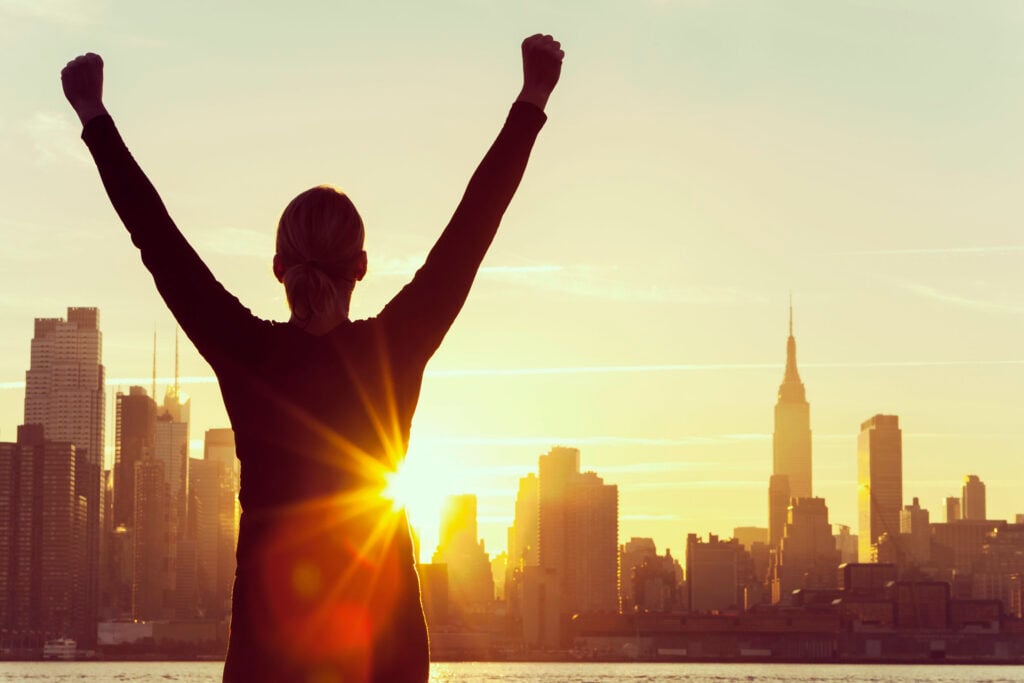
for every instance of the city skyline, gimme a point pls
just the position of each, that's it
(571, 581)
(633, 306)
(426, 501)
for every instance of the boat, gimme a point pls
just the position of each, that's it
(60, 648)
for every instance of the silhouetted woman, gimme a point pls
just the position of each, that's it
(321, 406)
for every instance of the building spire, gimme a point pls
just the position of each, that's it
(792, 375)
(791, 313)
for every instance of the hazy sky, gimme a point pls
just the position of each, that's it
(701, 160)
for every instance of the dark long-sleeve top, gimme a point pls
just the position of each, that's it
(325, 573)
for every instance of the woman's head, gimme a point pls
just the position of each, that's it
(319, 252)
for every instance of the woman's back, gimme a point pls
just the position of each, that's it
(326, 573)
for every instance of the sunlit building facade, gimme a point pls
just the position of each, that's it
(879, 481)
(578, 532)
(973, 498)
(470, 583)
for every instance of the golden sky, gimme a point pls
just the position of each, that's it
(701, 160)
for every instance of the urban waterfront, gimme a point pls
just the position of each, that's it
(615, 457)
(478, 672)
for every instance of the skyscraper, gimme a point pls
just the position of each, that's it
(134, 430)
(523, 539)
(578, 532)
(556, 469)
(594, 543)
(470, 584)
(525, 534)
(879, 480)
(42, 540)
(974, 498)
(170, 446)
(952, 509)
(64, 383)
(791, 441)
(222, 497)
(160, 518)
(64, 393)
(153, 550)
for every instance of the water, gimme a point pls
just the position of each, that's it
(481, 672)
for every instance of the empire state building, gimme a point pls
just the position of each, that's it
(791, 443)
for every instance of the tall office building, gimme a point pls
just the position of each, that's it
(217, 511)
(64, 393)
(160, 518)
(973, 498)
(134, 434)
(470, 584)
(594, 547)
(713, 573)
(171, 442)
(170, 446)
(525, 534)
(578, 532)
(879, 481)
(42, 541)
(219, 445)
(523, 540)
(212, 528)
(952, 509)
(153, 550)
(556, 470)
(64, 383)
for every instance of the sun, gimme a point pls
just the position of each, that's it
(420, 486)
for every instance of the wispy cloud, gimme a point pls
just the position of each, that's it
(55, 138)
(963, 301)
(994, 249)
(593, 282)
(612, 369)
(406, 266)
(611, 284)
(704, 367)
(235, 242)
(702, 484)
(57, 11)
(546, 441)
(144, 42)
(642, 517)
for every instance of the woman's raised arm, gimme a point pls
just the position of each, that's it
(422, 312)
(212, 318)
